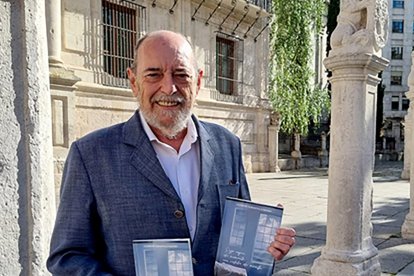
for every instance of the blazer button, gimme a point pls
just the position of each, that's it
(178, 213)
(194, 260)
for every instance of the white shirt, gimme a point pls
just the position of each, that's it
(182, 168)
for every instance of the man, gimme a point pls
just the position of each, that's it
(161, 174)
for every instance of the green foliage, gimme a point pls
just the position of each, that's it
(292, 92)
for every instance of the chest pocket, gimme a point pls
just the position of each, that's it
(231, 189)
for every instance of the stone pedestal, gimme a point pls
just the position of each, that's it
(27, 206)
(349, 249)
(407, 230)
(274, 128)
(62, 86)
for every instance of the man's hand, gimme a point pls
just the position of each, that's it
(284, 240)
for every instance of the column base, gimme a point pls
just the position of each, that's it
(327, 265)
(405, 174)
(407, 229)
(276, 169)
(62, 76)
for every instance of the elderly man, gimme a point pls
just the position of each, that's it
(161, 174)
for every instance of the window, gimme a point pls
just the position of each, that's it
(395, 103)
(398, 26)
(238, 228)
(398, 4)
(405, 103)
(179, 263)
(228, 66)
(396, 52)
(122, 24)
(225, 65)
(264, 236)
(396, 78)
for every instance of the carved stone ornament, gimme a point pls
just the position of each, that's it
(275, 119)
(362, 27)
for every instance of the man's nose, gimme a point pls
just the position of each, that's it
(168, 85)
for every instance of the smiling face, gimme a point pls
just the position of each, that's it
(165, 82)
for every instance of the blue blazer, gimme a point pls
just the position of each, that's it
(114, 191)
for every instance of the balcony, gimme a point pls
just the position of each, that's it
(263, 4)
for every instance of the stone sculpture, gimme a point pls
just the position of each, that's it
(362, 27)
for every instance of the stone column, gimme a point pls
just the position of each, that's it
(27, 206)
(407, 143)
(355, 63)
(396, 133)
(54, 31)
(274, 128)
(296, 154)
(323, 153)
(407, 230)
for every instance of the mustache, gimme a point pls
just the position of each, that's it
(167, 98)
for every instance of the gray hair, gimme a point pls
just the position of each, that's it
(141, 40)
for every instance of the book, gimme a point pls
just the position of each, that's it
(247, 230)
(163, 257)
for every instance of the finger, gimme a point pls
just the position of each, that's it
(278, 250)
(286, 232)
(285, 240)
(276, 254)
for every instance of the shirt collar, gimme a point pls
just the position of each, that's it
(191, 135)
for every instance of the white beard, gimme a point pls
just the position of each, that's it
(170, 131)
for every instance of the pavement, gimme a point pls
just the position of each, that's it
(303, 194)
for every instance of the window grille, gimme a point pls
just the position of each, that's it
(398, 26)
(264, 235)
(396, 52)
(229, 69)
(123, 22)
(264, 4)
(238, 228)
(396, 78)
(398, 4)
(395, 103)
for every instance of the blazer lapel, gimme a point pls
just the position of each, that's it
(206, 158)
(144, 158)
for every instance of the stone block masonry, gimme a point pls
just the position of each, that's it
(27, 206)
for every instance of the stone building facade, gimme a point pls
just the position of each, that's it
(398, 50)
(88, 64)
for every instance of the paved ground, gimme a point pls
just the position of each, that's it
(304, 196)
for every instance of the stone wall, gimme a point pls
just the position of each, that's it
(26, 169)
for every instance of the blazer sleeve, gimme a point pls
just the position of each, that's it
(244, 188)
(75, 245)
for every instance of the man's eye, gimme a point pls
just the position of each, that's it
(182, 77)
(153, 75)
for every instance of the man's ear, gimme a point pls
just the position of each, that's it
(199, 77)
(132, 81)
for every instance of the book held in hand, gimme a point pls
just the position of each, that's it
(163, 257)
(247, 230)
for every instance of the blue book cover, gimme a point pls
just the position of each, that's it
(247, 230)
(163, 257)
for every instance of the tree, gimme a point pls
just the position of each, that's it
(292, 92)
